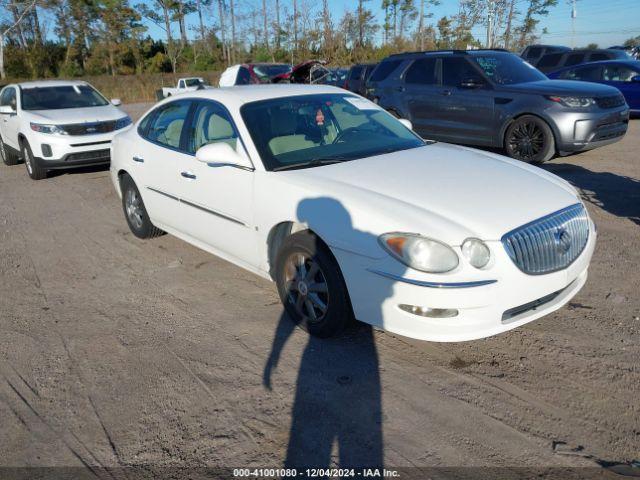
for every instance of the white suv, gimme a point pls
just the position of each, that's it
(57, 125)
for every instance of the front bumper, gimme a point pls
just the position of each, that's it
(577, 131)
(483, 311)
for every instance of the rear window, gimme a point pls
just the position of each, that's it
(384, 70)
(596, 57)
(549, 60)
(534, 52)
(574, 59)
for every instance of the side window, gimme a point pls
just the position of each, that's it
(422, 72)
(590, 73)
(618, 73)
(457, 69)
(596, 57)
(384, 69)
(166, 126)
(244, 77)
(356, 73)
(8, 97)
(574, 59)
(211, 123)
(549, 60)
(534, 52)
(181, 84)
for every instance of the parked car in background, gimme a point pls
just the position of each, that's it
(622, 74)
(57, 125)
(336, 77)
(358, 76)
(496, 99)
(555, 61)
(187, 84)
(533, 53)
(310, 71)
(252, 73)
(632, 50)
(354, 215)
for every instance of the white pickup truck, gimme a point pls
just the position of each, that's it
(187, 84)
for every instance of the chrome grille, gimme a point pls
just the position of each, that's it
(550, 243)
(89, 128)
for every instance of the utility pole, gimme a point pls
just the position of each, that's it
(574, 14)
(489, 42)
(421, 25)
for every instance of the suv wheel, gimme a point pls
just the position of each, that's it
(8, 158)
(35, 171)
(530, 139)
(311, 286)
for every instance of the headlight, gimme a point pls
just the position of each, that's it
(573, 102)
(419, 252)
(476, 251)
(123, 122)
(41, 128)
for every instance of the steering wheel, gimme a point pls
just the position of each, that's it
(345, 133)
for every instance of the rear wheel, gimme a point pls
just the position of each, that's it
(134, 210)
(35, 171)
(530, 139)
(8, 157)
(311, 286)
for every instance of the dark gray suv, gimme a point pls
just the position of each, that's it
(494, 98)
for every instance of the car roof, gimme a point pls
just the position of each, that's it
(51, 83)
(633, 63)
(239, 95)
(475, 51)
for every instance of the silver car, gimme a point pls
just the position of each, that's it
(494, 98)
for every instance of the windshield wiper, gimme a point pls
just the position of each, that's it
(311, 163)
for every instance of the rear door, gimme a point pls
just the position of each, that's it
(419, 95)
(465, 114)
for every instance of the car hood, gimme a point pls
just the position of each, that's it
(440, 190)
(65, 116)
(562, 87)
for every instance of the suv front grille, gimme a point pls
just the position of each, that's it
(610, 102)
(97, 155)
(89, 128)
(550, 243)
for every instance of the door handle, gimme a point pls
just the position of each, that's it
(446, 93)
(188, 175)
(138, 159)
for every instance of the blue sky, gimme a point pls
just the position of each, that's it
(606, 22)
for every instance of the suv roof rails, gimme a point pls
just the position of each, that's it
(451, 50)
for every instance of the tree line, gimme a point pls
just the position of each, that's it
(52, 38)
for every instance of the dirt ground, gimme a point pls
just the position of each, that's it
(121, 352)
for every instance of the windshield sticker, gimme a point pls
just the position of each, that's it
(362, 104)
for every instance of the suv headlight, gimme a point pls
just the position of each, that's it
(573, 102)
(123, 122)
(421, 253)
(42, 128)
(476, 251)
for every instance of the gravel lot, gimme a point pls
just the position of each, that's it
(119, 352)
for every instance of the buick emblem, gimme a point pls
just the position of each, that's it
(563, 241)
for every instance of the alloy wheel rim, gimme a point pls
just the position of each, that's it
(2, 155)
(133, 206)
(526, 140)
(306, 287)
(27, 161)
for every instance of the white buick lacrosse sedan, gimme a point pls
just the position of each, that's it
(352, 214)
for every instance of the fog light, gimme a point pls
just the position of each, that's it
(429, 312)
(46, 150)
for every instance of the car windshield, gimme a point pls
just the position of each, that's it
(270, 71)
(507, 69)
(56, 98)
(310, 130)
(194, 82)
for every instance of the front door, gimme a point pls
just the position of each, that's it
(9, 121)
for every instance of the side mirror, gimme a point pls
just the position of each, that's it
(406, 123)
(635, 78)
(7, 110)
(470, 83)
(116, 101)
(221, 154)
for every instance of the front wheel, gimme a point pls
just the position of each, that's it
(530, 139)
(311, 286)
(35, 171)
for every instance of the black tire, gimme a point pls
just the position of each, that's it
(35, 171)
(9, 158)
(530, 140)
(134, 210)
(305, 248)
